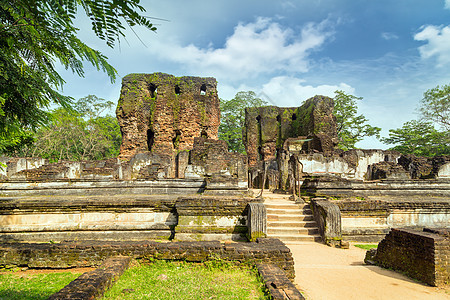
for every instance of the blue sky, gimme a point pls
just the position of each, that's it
(387, 51)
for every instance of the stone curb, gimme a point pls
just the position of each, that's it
(92, 285)
(279, 286)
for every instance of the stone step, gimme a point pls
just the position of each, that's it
(281, 206)
(284, 205)
(293, 211)
(297, 238)
(309, 223)
(291, 231)
(296, 217)
(274, 211)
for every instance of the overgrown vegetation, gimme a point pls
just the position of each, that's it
(20, 286)
(215, 279)
(79, 134)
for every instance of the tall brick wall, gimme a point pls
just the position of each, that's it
(163, 113)
(266, 128)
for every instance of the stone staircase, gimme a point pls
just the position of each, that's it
(290, 222)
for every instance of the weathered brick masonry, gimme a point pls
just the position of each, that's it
(91, 285)
(163, 113)
(421, 255)
(93, 253)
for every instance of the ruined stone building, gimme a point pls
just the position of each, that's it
(163, 113)
(174, 178)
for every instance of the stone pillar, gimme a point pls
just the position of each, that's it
(256, 221)
(182, 163)
(328, 218)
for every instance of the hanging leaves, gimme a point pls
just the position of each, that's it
(36, 33)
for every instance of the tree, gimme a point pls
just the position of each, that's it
(421, 137)
(36, 33)
(435, 106)
(351, 128)
(233, 117)
(80, 134)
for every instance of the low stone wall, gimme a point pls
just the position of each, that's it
(421, 255)
(92, 285)
(328, 218)
(337, 187)
(123, 217)
(93, 253)
(277, 283)
(369, 220)
(212, 218)
(76, 187)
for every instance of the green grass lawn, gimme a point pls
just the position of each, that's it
(367, 246)
(180, 280)
(24, 286)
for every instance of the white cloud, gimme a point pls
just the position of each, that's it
(447, 4)
(262, 47)
(438, 43)
(389, 35)
(291, 91)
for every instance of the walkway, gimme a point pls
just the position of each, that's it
(322, 272)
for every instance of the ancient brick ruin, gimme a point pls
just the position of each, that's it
(274, 136)
(267, 129)
(163, 114)
(423, 255)
(174, 180)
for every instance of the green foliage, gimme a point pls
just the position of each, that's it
(36, 33)
(351, 128)
(420, 137)
(233, 117)
(80, 134)
(33, 286)
(435, 106)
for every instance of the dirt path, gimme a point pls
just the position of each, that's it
(323, 272)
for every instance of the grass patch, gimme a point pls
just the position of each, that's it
(181, 280)
(33, 286)
(367, 246)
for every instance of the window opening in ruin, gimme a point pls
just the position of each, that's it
(204, 134)
(153, 90)
(177, 90)
(203, 89)
(261, 156)
(294, 117)
(279, 135)
(176, 139)
(150, 139)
